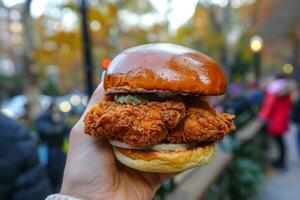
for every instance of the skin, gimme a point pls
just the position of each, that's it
(92, 172)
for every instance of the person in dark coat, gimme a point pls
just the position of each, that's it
(52, 130)
(21, 175)
(296, 120)
(236, 103)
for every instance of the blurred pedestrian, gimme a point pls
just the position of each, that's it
(52, 130)
(21, 175)
(236, 103)
(296, 120)
(275, 112)
(254, 94)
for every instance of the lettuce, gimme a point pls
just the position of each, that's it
(136, 99)
(131, 99)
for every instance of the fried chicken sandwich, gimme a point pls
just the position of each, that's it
(157, 116)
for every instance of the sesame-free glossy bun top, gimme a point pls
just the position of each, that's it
(164, 67)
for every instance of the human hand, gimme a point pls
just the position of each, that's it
(92, 172)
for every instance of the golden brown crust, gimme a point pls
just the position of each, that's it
(165, 161)
(140, 125)
(165, 67)
(202, 126)
(149, 124)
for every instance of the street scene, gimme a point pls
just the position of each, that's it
(148, 99)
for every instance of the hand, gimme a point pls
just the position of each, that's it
(92, 172)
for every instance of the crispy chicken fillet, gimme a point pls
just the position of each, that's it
(154, 122)
(202, 124)
(141, 125)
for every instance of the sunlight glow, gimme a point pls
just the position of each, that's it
(177, 12)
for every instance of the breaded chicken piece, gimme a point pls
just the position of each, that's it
(202, 123)
(140, 125)
(154, 122)
(202, 126)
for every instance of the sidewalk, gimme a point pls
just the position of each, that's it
(280, 185)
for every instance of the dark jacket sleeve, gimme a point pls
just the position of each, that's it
(8, 169)
(296, 112)
(45, 125)
(21, 175)
(32, 182)
(10, 159)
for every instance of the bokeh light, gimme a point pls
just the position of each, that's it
(16, 27)
(65, 106)
(288, 68)
(105, 63)
(84, 100)
(7, 112)
(75, 100)
(256, 43)
(95, 25)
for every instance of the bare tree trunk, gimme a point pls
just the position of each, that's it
(31, 85)
(221, 25)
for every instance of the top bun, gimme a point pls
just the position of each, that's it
(164, 68)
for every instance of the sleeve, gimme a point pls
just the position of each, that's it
(8, 169)
(32, 181)
(60, 197)
(11, 162)
(296, 112)
(267, 107)
(45, 125)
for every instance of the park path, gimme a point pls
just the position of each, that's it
(281, 185)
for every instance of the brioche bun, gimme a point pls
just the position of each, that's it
(164, 67)
(165, 161)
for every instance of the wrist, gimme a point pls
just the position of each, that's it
(60, 197)
(82, 191)
(75, 193)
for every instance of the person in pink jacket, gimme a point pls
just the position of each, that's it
(275, 111)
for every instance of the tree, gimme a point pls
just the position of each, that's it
(281, 28)
(30, 69)
(209, 30)
(221, 32)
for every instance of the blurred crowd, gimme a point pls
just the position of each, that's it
(32, 165)
(275, 102)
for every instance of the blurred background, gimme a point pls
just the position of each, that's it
(52, 55)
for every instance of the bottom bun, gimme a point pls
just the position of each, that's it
(178, 160)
